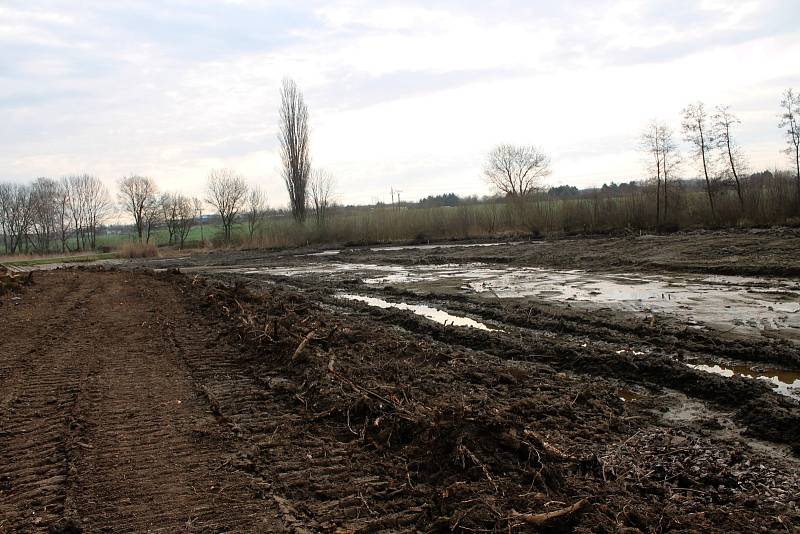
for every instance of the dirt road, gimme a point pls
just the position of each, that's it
(134, 401)
(101, 422)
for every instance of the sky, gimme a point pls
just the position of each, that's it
(408, 96)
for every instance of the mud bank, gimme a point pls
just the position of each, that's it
(447, 415)
(746, 306)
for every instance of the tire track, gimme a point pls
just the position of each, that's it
(320, 482)
(40, 385)
(107, 431)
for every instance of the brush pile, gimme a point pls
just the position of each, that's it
(11, 282)
(371, 428)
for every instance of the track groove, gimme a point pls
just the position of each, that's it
(101, 420)
(290, 462)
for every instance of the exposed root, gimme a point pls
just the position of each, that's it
(11, 282)
(552, 450)
(302, 346)
(543, 518)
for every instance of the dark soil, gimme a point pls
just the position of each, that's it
(134, 402)
(102, 425)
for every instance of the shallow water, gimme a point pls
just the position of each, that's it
(434, 314)
(729, 303)
(627, 395)
(324, 253)
(393, 248)
(443, 245)
(785, 382)
(744, 305)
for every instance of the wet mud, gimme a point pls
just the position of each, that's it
(474, 433)
(413, 405)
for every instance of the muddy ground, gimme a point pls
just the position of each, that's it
(759, 252)
(751, 252)
(219, 399)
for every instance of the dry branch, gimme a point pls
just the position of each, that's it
(552, 450)
(366, 391)
(543, 518)
(302, 346)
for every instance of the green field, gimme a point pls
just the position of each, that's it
(160, 237)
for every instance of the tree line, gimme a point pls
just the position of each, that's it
(50, 213)
(517, 171)
(65, 214)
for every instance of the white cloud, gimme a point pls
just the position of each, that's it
(400, 95)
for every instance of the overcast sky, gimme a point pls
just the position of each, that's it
(405, 95)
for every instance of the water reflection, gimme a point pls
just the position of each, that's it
(785, 382)
(434, 314)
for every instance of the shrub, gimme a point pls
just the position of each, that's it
(134, 249)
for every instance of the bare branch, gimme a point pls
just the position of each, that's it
(516, 171)
(226, 191)
(256, 210)
(697, 133)
(321, 187)
(294, 141)
(790, 122)
(137, 197)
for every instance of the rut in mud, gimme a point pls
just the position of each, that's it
(101, 423)
(303, 412)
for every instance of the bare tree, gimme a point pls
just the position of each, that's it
(187, 216)
(294, 140)
(723, 122)
(179, 216)
(137, 196)
(15, 215)
(44, 192)
(198, 211)
(77, 210)
(63, 218)
(256, 209)
(697, 133)
(5, 194)
(321, 188)
(515, 170)
(151, 218)
(650, 142)
(168, 203)
(790, 120)
(97, 206)
(226, 191)
(670, 160)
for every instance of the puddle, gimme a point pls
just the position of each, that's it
(324, 253)
(434, 314)
(332, 268)
(443, 245)
(626, 395)
(686, 411)
(742, 305)
(785, 382)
